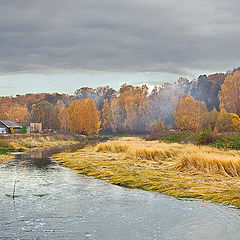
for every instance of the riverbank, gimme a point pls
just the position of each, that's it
(179, 170)
(4, 158)
(27, 142)
(227, 140)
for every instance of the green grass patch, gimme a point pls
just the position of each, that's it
(229, 140)
(175, 137)
(5, 150)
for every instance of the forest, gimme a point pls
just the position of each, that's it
(210, 102)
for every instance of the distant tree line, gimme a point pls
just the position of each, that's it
(209, 102)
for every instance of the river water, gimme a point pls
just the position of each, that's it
(52, 202)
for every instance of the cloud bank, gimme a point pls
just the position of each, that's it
(125, 36)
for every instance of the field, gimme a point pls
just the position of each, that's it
(179, 170)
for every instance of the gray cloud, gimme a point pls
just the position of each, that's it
(129, 35)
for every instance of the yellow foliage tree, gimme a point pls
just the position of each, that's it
(210, 120)
(229, 95)
(159, 125)
(224, 121)
(63, 118)
(235, 122)
(18, 113)
(106, 116)
(189, 114)
(137, 112)
(117, 115)
(130, 111)
(84, 117)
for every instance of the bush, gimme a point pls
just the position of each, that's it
(231, 142)
(205, 137)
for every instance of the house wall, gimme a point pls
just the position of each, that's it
(36, 127)
(3, 126)
(2, 130)
(17, 130)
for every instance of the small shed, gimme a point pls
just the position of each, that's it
(10, 126)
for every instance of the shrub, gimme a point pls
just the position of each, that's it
(231, 142)
(205, 137)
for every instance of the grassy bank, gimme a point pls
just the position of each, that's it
(230, 140)
(5, 157)
(179, 170)
(24, 143)
(5, 148)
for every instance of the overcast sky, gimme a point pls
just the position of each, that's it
(61, 45)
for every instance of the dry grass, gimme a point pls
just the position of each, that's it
(32, 142)
(183, 171)
(186, 157)
(4, 158)
(28, 142)
(220, 163)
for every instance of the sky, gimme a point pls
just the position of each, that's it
(63, 45)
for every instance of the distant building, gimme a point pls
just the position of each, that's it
(34, 128)
(7, 126)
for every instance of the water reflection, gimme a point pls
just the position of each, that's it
(57, 203)
(48, 152)
(40, 158)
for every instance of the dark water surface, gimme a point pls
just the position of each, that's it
(53, 202)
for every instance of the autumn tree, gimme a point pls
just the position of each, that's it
(5, 104)
(159, 125)
(235, 122)
(63, 119)
(118, 115)
(224, 121)
(130, 111)
(106, 116)
(60, 104)
(45, 113)
(210, 120)
(189, 114)
(137, 109)
(229, 95)
(84, 117)
(97, 95)
(18, 113)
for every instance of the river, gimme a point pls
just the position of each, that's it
(53, 202)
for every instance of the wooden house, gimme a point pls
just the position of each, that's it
(10, 126)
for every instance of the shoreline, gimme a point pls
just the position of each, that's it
(26, 143)
(6, 157)
(168, 168)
